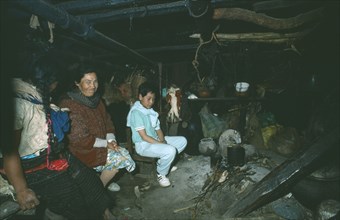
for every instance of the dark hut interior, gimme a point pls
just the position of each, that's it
(287, 52)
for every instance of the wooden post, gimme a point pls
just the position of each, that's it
(160, 86)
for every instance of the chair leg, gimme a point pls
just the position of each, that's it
(149, 174)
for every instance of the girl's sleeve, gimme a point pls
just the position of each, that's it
(137, 122)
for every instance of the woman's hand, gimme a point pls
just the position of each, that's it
(113, 145)
(27, 199)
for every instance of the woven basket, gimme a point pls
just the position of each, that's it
(136, 81)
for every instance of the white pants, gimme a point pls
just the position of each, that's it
(165, 152)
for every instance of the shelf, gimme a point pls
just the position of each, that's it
(227, 99)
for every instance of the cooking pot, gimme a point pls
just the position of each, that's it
(236, 155)
(207, 146)
(227, 139)
(322, 184)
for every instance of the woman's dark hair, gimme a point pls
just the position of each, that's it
(147, 87)
(81, 70)
(44, 71)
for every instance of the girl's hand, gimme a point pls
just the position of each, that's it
(27, 199)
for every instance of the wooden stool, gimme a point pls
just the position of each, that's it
(140, 159)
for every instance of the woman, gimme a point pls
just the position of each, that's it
(40, 172)
(92, 138)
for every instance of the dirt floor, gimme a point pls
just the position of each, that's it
(195, 192)
(141, 197)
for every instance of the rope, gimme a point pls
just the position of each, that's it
(195, 62)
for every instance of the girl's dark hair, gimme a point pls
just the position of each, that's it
(147, 87)
(42, 73)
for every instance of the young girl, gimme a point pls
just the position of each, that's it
(148, 137)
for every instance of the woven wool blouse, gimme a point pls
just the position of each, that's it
(87, 124)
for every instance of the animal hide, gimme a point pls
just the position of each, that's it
(174, 99)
